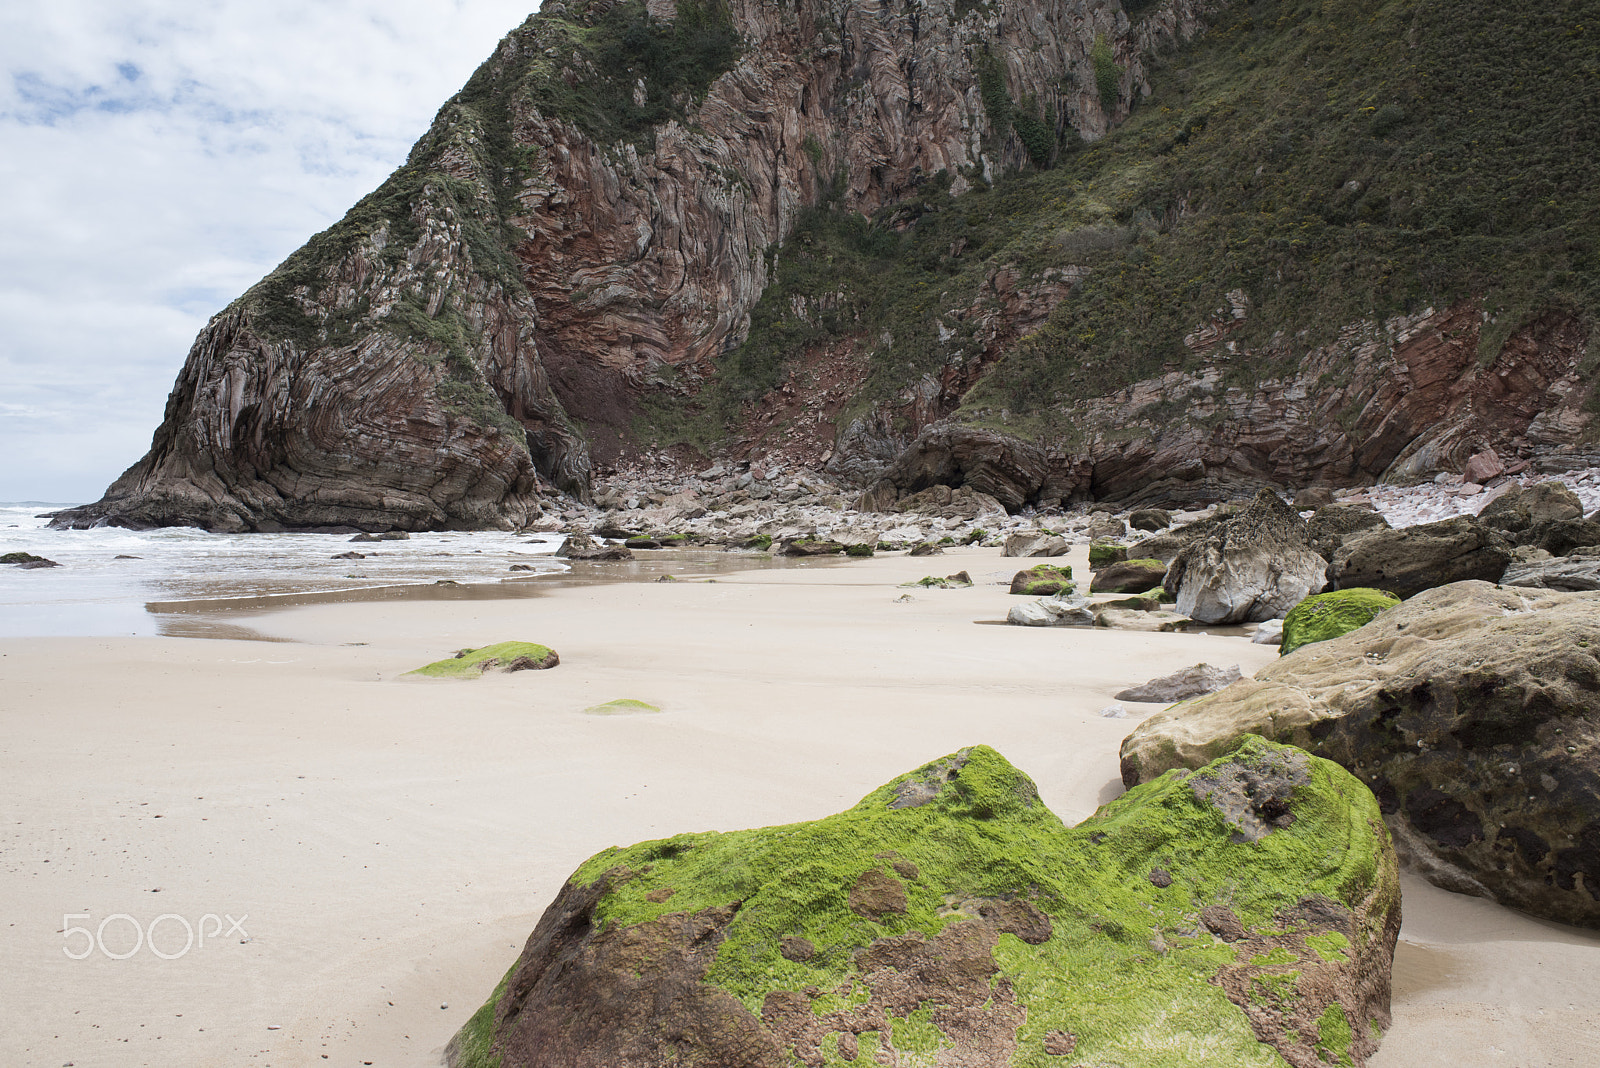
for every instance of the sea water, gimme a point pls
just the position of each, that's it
(109, 575)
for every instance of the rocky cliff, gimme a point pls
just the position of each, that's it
(589, 218)
(1057, 249)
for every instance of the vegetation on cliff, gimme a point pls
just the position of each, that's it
(1334, 160)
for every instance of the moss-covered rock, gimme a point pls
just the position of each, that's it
(20, 558)
(959, 581)
(1244, 914)
(622, 706)
(810, 547)
(1129, 576)
(760, 543)
(1043, 580)
(505, 656)
(859, 550)
(1103, 553)
(1328, 615)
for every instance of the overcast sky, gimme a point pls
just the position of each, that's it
(159, 156)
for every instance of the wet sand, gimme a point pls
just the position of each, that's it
(392, 841)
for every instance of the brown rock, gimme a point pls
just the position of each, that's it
(876, 895)
(1412, 559)
(1473, 713)
(1129, 576)
(1482, 466)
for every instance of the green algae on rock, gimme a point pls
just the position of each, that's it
(1471, 711)
(1103, 553)
(1243, 914)
(1328, 615)
(622, 706)
(1043, 580)
(959, 581)
(506, 656)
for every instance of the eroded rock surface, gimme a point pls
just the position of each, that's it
(1473, 712)
(950, 918)
(1412, 559)
(1255, 567)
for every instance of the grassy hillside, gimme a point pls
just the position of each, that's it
(1334, 159)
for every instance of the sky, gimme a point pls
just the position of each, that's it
(157, 157)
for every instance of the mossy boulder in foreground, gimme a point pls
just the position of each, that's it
(505, 656)
(1328, 615)
(1242, 914)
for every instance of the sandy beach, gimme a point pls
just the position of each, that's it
(386, 844)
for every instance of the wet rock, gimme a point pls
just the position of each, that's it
(926, 548)
(1183, 684)
(1129, 576)
(27, 561)
(1412, 559)
(579, 546)
(1473, 713)
(1255, 567)
(810, 547)
(825, 935)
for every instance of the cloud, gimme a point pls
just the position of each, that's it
(156, 158)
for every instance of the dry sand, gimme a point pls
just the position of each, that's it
(392, 841)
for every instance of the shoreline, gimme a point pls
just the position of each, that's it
(393, 841)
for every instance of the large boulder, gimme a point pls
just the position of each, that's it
(1412, 559)
(1328, 528)
(1521, 507)
(1328, 615)
(1242, 915)
(1473, 712)
(1255, 567)
(1129, 576)
(1062, 610)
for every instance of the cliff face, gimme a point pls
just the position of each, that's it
(1055, 248)
(586, 220)
(1397, 400)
